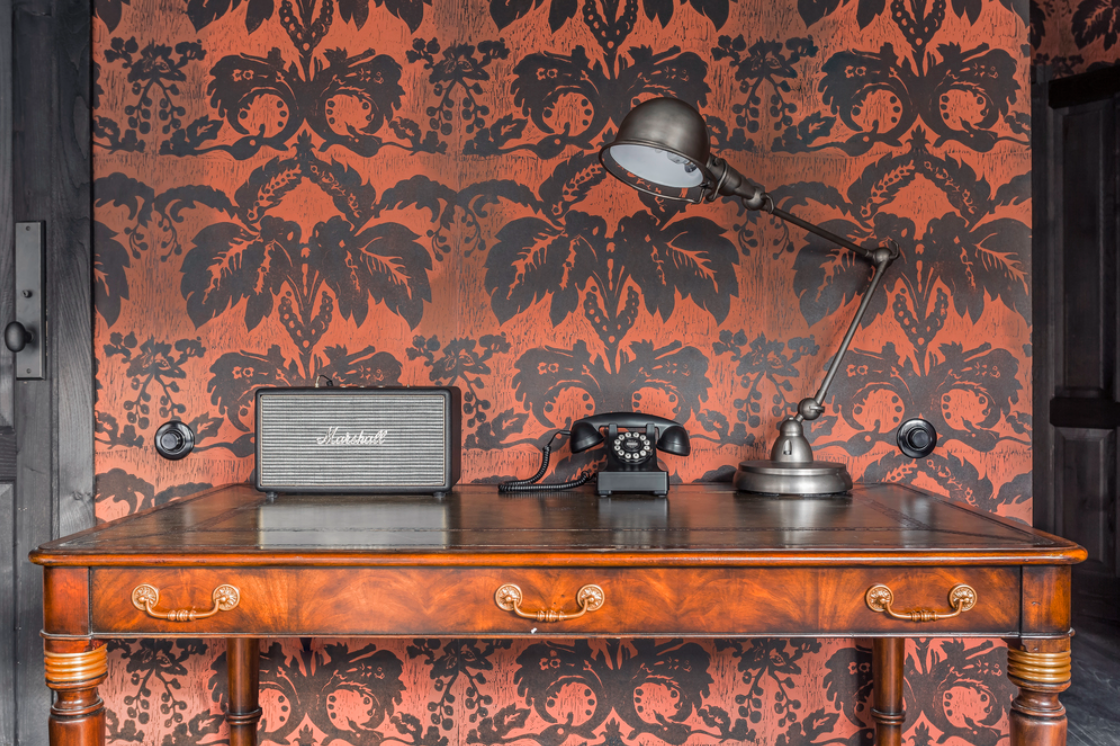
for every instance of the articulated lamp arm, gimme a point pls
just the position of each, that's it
(663, 148)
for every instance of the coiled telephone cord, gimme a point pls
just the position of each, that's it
(530, 484)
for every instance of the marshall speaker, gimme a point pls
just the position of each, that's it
(358, 440)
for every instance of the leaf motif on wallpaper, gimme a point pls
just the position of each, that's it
(688, 257)
(535, 259)
(857, 83)
(995, 258)
(343, 265)
(603, 16)
(1096, 20)
(990, 250)
(347, 693)
(532, 260)
(617, 680)
(383, 263)
(110, 278)
(908, 14)
(110, 11)
(828, 278)
(814, 10)
(202, 13)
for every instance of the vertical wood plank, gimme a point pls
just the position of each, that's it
(53, 418)
(8, 597)
(1044, 228)
(69, 262)
(32, 113)
(8, 602)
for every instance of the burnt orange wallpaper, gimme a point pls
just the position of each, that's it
(1075, 36)
(407, 191)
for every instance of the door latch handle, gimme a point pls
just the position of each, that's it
(25, 335)
(16, 336)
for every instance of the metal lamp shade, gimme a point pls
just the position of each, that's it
(661, 149)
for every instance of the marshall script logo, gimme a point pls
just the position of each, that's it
(334, 438)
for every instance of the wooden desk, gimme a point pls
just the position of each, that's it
(706, 562)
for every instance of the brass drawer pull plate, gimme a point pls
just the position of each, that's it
(145, 596)
(509, 598)
(961, 598)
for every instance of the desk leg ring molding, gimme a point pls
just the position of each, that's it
(78, 712)
(68, 669)
(1037, 717)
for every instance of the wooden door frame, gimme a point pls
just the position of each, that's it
(1050, 101)
(45, 124)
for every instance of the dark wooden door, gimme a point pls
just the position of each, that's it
(46, 425)
(1076, 329)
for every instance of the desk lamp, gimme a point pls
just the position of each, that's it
(662, 148)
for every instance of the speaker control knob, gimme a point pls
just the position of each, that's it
(917, 438)
(174, 440)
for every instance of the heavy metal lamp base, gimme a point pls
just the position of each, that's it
(809, 478)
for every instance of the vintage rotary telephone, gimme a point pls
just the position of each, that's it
(632, 440)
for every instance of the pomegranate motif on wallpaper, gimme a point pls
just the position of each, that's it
(408, 192)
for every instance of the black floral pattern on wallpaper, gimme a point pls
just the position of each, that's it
(307, 114)
(607, 693)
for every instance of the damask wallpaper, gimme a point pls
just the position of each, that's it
(407, 191)
(1075, 36)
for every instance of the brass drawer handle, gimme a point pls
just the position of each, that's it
(144, 597)
(508, 598)
(961, 598)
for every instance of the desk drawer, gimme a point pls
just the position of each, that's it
(420, 601)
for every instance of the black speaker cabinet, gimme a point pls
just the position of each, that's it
(357, 440)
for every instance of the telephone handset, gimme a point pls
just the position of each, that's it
(631, 439)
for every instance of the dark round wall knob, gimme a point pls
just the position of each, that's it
(174, 440)
(917, 438)
(16, 336)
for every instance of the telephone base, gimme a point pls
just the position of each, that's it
(654, 482)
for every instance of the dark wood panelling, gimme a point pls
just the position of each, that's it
(1076, 332)
(53, 418)
(8, 597)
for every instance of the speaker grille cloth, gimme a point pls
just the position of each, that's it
(353, 441)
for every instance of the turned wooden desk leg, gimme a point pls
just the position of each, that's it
(888, 654)
(243, 656)
(1041, 670)
(77, 715)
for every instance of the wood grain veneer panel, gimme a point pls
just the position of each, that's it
(639, 601)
